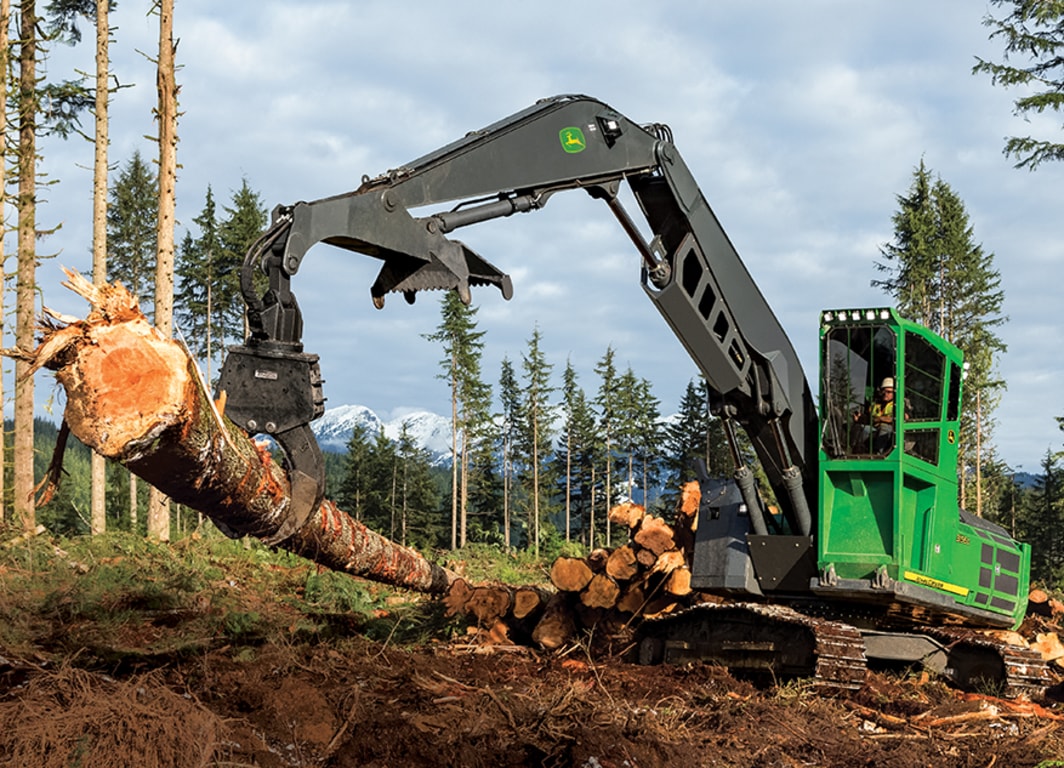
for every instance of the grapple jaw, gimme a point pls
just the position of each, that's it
(454, 266)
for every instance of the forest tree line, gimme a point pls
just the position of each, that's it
(537, 458)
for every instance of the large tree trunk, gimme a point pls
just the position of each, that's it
(98, 505)
(166, 82)
(26, 285)
(5, 62)
(137, 398)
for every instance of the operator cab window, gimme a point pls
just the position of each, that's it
(857, 362)
(925, 377)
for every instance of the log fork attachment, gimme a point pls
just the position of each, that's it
(271, 385)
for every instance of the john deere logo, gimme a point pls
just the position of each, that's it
(573, 140)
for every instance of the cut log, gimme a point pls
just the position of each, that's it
(1038, 603)
(601, 592)
(679, 582)
(645, 557)
(597, 560)
(557, 627)
(656, 535)
(690, 498)
(456, 597)
(628, 514)
(622, 565)
(489, 604)
(632, 599)
(669, 561)
(570, 574)
(1049, 646)
(137, 398)
(528, 601)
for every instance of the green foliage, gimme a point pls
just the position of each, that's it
(209, 305)
(131, 229)
(941, 278)
(1040, 522)
(1033, 31)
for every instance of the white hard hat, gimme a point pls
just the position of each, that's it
(888, 383)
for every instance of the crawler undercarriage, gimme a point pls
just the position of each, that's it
(782, 642)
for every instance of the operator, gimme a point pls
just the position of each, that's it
(878, 419)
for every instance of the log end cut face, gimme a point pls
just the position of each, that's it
(129, 384)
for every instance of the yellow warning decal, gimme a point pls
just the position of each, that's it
(927, 581)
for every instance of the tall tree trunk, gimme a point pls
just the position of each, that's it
(454, 450)
(138, 398)
(166, 81)
(463, 501)
(27, 264)
(98, 505)
(5, 62)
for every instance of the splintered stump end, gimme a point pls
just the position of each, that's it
(126, 385)
(138, 398)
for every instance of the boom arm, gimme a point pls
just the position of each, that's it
(691, 271)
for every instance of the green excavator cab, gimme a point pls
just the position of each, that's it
(890, 529)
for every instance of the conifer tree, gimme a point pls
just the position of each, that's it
(470, 400)
(510, 407)
(573, 407)
(606, 403)
(627, 425)
(244, 221)
(416, 500)
(1032, 30)
(535, 433)
(355, 485)
(39, 107)
(941, 278)
(131, 228)
(200, 300)
(1041, 522)
(648, 445)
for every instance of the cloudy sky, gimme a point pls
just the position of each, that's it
(802, 122)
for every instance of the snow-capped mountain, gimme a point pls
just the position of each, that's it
(429, 430)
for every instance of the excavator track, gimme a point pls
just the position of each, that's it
(980, 660)
(753, 637)
(787, 643)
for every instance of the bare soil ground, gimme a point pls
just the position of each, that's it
(162, 686)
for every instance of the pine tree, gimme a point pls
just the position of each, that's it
(535, 433)
(200, 316)
(98, 511)
(565, 468)
(1033, 30)
(245, 220)
(416, 497)
(606, 403)
(131, 228)
(649, 444)
(470, 399)
(510, 407)
(626, 427)
(941, 278)
(355, 486)
(1041, 522)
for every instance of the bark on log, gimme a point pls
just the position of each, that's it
(138, 398)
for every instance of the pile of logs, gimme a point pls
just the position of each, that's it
(609, 590)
